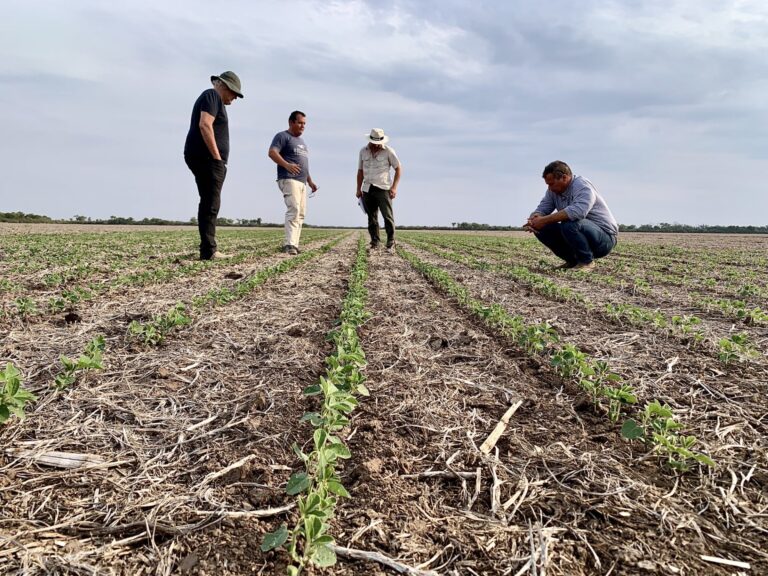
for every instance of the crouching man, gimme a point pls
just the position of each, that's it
(572, 219)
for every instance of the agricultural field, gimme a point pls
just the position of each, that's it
(455, 406)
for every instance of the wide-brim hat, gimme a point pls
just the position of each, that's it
(377, 136)
(231, 81)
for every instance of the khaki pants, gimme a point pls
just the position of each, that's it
(295, 197)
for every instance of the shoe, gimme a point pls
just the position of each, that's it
(585, 266)
(216, 256)
(390, 245)
(566, 266)
(374, 246)
(292, 250)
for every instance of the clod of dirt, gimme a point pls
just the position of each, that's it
(72, 318)
(189, 562)
(582, 404)
(163, 373)
(140, 317)
(233, 275)
(436, 343)
(374, 466)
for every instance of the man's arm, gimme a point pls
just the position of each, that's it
(395, 182)
(544, 210)
(359, 189)
(274, 154)
(537, 221)
(206, 131)
(311, 183)
(583, 200)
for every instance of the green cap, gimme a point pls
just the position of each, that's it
(231, 81)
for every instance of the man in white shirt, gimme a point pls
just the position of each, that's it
(375, 187)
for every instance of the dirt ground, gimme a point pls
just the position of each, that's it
(191, 441)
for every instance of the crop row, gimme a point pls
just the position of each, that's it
(14, 398)
(51, 259)
(152, 332)
(686, 327)
(318, 486)
(156, 272)
(637, 276)
(66, 298)
(731, 308)
(655, 425)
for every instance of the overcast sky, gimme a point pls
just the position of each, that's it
(663, 104)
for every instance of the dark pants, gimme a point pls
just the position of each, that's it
(209, 176)
(576, 241)
(374, 200)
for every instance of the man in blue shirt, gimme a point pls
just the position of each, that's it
(290, 153)
(572, 219)
(206, 151)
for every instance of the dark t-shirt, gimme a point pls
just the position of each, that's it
(294, 150)
(209, 101)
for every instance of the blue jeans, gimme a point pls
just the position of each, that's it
(576, 241)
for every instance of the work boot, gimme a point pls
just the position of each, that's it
(216, 256)
(585, 266)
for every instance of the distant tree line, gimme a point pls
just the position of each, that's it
(678, 228)
(663, 227)
(21, 217)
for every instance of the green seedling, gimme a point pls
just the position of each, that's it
(318, 487)
(153, 332)
(25, 306)
(618, 397)
(569, 361)
(91, 359)
(13, 397)
(735, 347)
(659, 429)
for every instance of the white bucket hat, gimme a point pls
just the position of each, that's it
(377, 136)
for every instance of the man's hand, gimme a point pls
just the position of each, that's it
(359, 194)
(536, 222)
(293, 168)
(312, 185)
(392, 193)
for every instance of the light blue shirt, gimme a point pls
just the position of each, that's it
(580, 200)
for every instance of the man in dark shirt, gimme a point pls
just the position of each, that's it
(206, 152)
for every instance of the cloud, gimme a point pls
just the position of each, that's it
(657, 102)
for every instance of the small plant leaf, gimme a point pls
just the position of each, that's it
(313, 390)
(631, 430)
(336, 488)
(312, 417)
(274, 539)
(297, 484)
(323, 556)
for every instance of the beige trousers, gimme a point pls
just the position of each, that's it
(295, 197)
